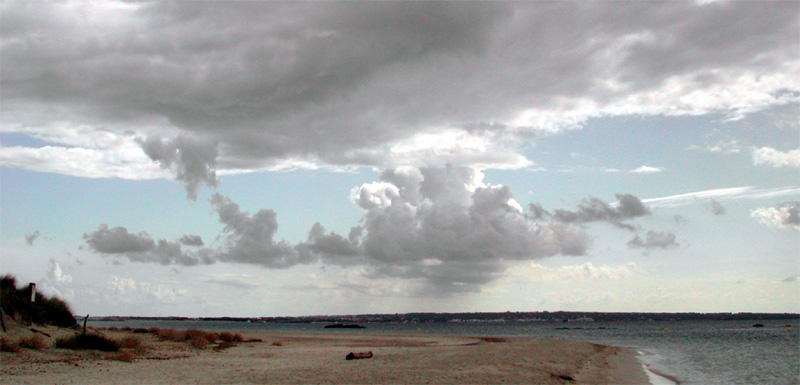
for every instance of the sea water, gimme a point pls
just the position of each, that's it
(691, 352)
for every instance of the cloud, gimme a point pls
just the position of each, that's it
(237, 281)
(191, 160)
(118, 240)
(30, 238)
(716, 207)
(140, 247)
(785, 215)
(731, 146)
(593, 209)
(191, 240)
(582, 272)
(385, 84)
(443, 228)
(723, 194)
(129, 291)
(647, 170)
(654, 239)
(249, 238)
(775, 158)
(56, 275)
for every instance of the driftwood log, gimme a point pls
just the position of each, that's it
(357, 355)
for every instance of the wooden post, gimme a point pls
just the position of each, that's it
(84, 323)
(2, 319)
(32, 285)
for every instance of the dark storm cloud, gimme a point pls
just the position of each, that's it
(340, 83)
(191, 160)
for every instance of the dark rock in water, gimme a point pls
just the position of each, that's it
(343, 326)
(758, 326)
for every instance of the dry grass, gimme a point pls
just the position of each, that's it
(35, 341)
(198, 342)
(130, 342)
(194, 334)
(196, 338)
(8, 345)
(168, 334)
(229, 337)
(124, 356)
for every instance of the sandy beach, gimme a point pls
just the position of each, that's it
(315, 358)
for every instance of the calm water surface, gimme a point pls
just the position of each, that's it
(694, 352)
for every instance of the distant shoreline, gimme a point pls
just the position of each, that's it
(477, 317)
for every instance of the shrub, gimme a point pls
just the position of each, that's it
(130, 342)
(169, 335)
(140, 331)
(7, 345)
(124, 356)
(230, 337)
(192, 334)
(197, 341)
(87, 342)
(33, 342)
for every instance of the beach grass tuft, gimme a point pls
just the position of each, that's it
(35, 341)
(8, 345)
(230, 337)
(130, 342)
(123, 356)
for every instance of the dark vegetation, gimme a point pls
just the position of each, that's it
(88, 342)
(15, 302)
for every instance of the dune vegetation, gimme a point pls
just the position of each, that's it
(46, 310)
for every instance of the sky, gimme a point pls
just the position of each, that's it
(311, 158)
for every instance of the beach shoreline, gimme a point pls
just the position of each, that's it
(303, 358)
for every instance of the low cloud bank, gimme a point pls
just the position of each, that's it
(444, 228)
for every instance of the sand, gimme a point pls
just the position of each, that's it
(319, 358)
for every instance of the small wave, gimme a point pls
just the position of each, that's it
(658, 378)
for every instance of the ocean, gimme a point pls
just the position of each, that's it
(691, 352)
